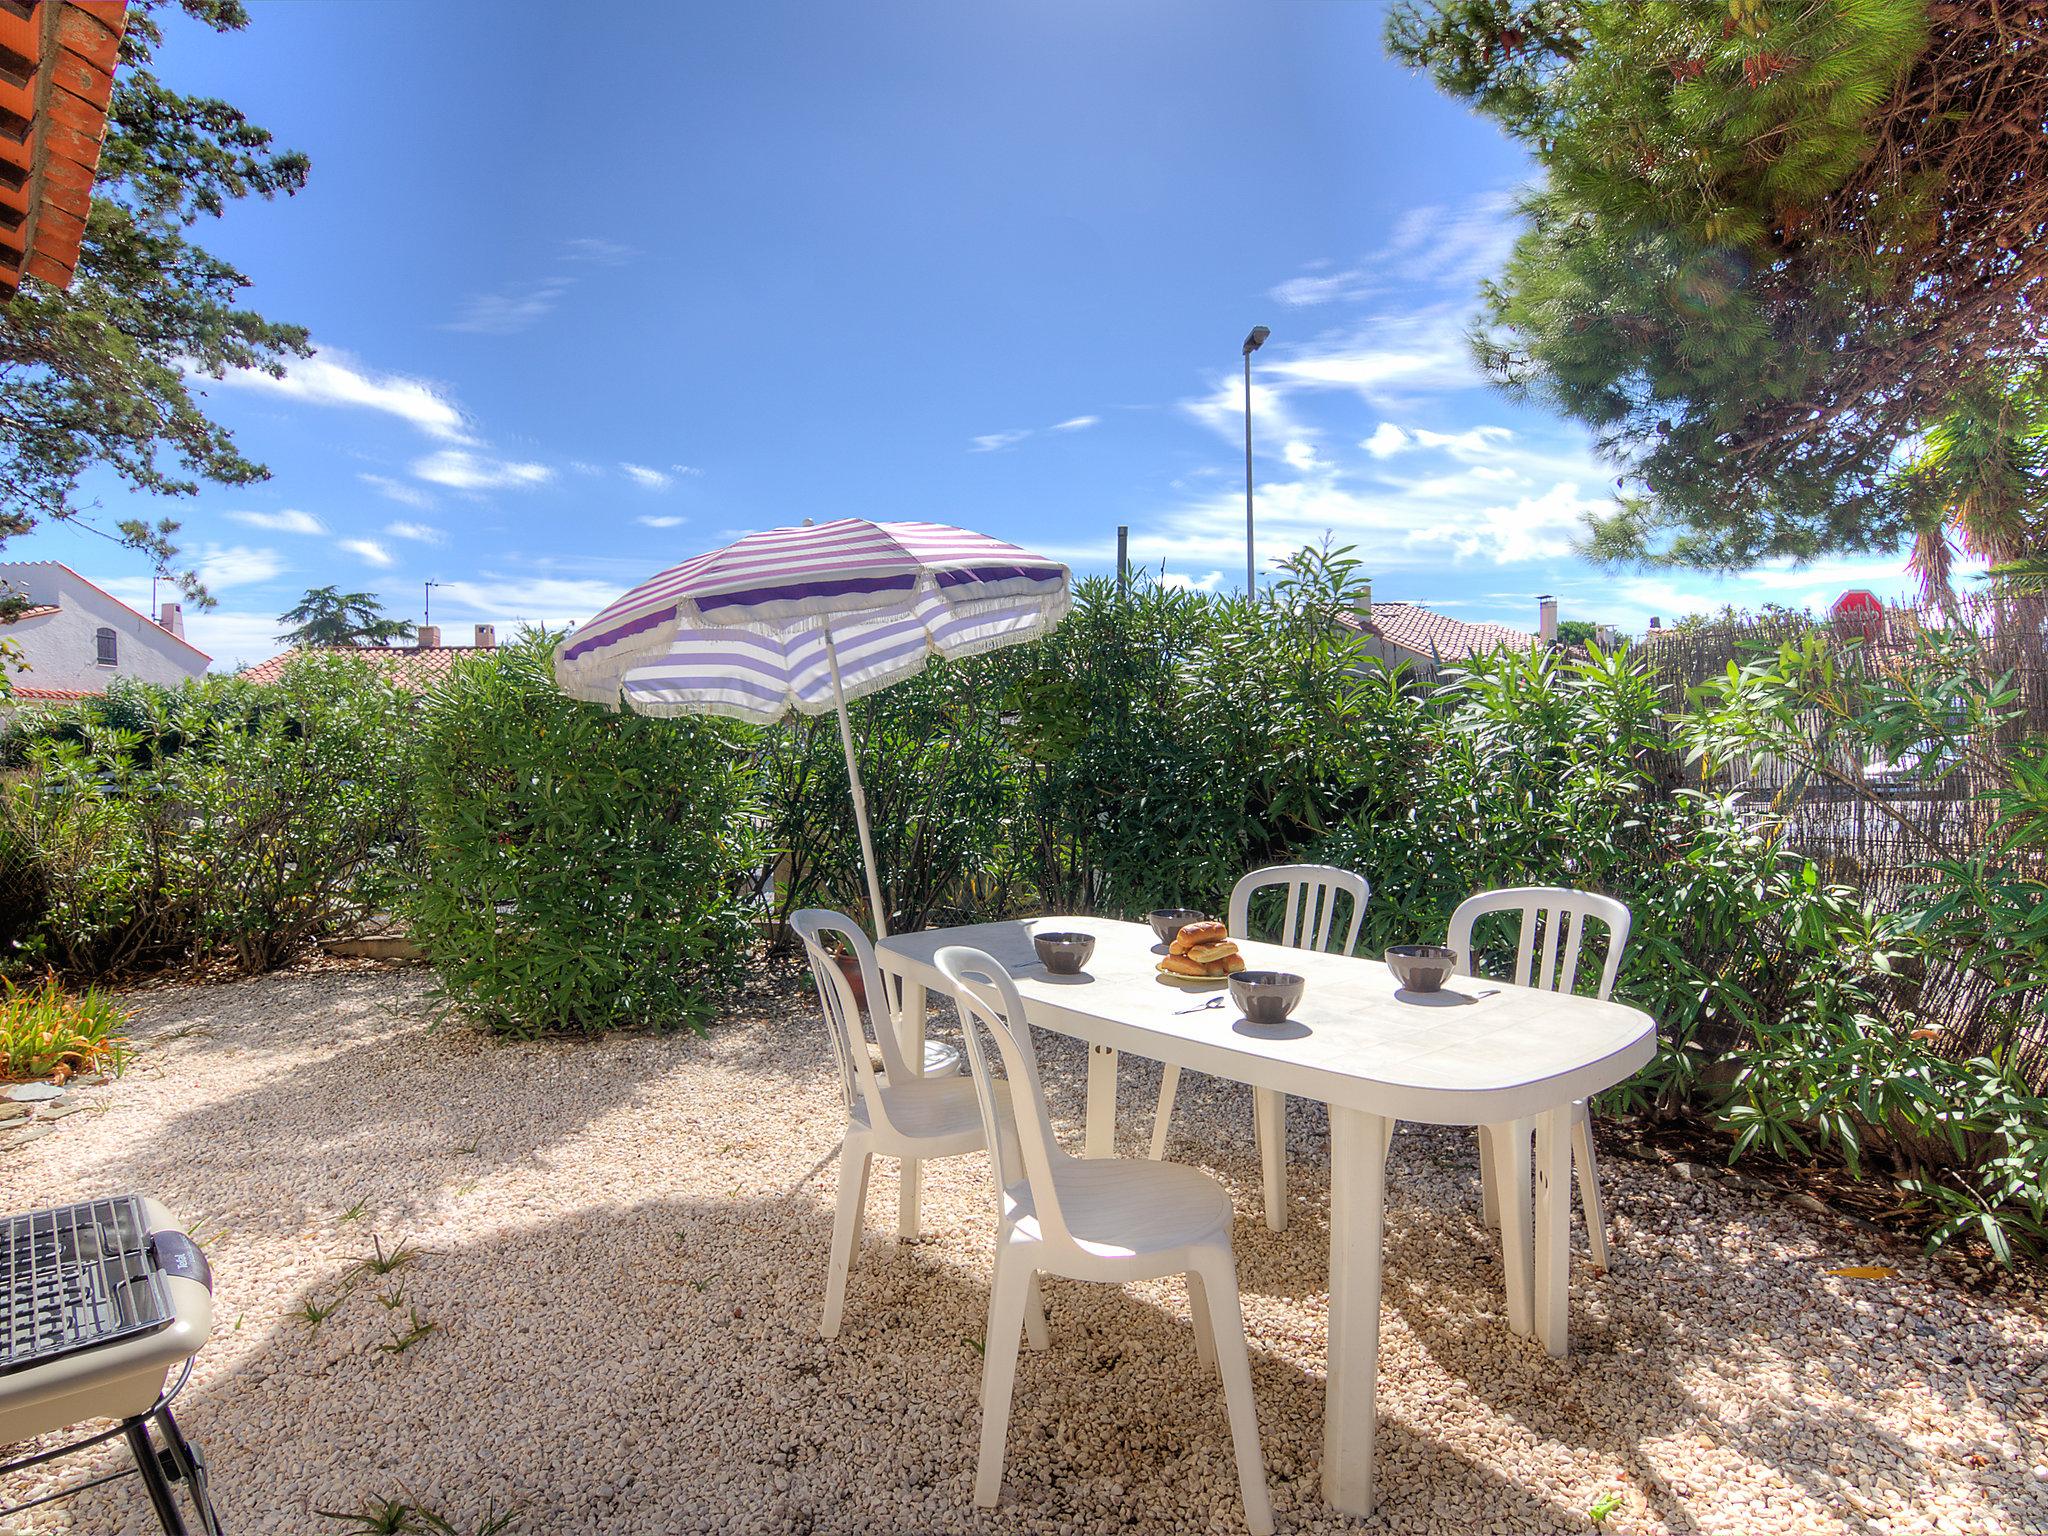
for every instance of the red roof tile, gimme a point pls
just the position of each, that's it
(1428, 633)
(22, 695)
(415, 667)
(41, 610)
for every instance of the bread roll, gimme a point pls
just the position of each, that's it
(1197, 933)
(1181, 965)
(1216, 951)
(1230, 965)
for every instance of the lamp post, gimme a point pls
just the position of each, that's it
(1252, 343)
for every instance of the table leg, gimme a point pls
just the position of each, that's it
(1358, 1196)
(1510, 1148)
(1101, 1136)
(910, 1003)
(1554, 1229)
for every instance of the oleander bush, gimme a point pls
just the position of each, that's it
(583, 869)
(216, 819)
(1159, 743)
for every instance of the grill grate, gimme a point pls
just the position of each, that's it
(77, 1276)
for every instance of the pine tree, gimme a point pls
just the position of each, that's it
(329, 616)
(1789, 261)
(99, 373)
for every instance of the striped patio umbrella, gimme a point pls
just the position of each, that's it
(807, 618)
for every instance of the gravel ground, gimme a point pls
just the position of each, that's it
(621, 1247)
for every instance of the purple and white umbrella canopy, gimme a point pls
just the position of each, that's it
(807, 618)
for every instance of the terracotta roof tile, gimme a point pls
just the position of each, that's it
(1428, 633)
(415, 667)
(40, 611)
(22, 695)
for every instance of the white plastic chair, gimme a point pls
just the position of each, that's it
(1548, 956)
(1308, 921)
(890, 1114)
(1112, 1220)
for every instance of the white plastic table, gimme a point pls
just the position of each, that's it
(1478, 1053)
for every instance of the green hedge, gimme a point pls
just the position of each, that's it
(584, 869)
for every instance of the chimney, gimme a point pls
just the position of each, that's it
(1363, 601)
(1655, 622)
(1609, 637)
(170, 618)
(1546, 621)
(486, 636)
(427, 637)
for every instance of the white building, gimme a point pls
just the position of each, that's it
(76, 638)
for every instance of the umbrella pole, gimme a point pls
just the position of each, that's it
(860, 799)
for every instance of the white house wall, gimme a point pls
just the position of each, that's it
(61, 648)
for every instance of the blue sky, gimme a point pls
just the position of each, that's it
(598, 287)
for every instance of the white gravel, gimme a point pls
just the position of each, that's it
(622, 1245)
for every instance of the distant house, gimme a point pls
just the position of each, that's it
(416, 667)
(76, 638)
(1428, 642)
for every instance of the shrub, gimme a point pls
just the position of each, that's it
(222, 818)
(583, 869)
(46, 1031)
(298, 806)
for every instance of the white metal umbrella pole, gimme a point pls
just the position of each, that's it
(860, 798)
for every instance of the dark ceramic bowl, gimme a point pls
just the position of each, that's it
(1167, 922)
(1421, 967)
(1064, 953)
(1266, 997)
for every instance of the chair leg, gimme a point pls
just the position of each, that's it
(1205, 1331)
(1269, 1117)
(1589, 1184)
(1226, 1325)
(999, 1373)
(1489, 1193)
(1036, 1333)
(854, 1163)
(1169, 1084)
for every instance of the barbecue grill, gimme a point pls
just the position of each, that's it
(99, 1302)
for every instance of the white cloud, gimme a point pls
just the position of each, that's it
(1299, 454)
(600, 252)
(398, 491)
(462, 470)
(550, 600)
(509, 311)
(1300, 292)
(234, 637)
(1208, 583)
(286, 520)
(1453, 246)
(369, 550)
(331, 377)
(1387, 358)
(660, 522)
(419, 533)
(990, 442)
(1386, 439)
(1222, 411)
(237, 566)
(640, 474)
(684, 469)
(1075, 423)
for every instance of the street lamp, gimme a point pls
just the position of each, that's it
(1252, 343)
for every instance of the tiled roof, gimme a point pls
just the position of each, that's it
(40, 611)
(59, 75)
(22, 695)
(410, 666)
(1427, 633)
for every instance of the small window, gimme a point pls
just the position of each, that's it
(110, 649)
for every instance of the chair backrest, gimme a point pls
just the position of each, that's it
(843, 1020)
(1021, 1147)
(1550, 958)
(1308, 921)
